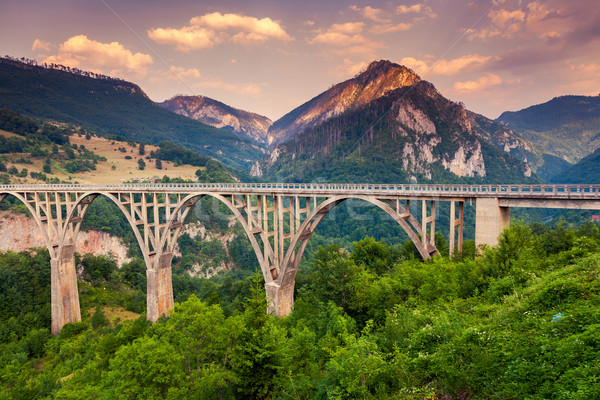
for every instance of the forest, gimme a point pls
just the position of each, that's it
(371, 321)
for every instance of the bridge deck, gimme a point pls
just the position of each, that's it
(328, 189)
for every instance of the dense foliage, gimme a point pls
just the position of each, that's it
(519, 321)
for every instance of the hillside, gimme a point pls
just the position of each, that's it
(110, 106)
(220, 115)
(585, 171)
(378, 79)
(567, 127)
(412, 133)
(117, 162)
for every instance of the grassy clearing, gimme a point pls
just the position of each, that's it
(114, 314)
(124, 169)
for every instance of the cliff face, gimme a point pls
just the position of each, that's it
(20, 233)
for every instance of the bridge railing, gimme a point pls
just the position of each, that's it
(583, 190)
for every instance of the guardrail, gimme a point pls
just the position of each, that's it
(549, 191)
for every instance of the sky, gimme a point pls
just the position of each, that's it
(270, 56)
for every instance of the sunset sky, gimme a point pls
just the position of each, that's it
(271, 56)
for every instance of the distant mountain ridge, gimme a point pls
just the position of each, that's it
(567, 127)
(213, 112)
(378, 79)
(409, 133)
(112, 106)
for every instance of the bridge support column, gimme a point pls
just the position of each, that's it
(159, 294)
(63, 287)
(280, 298)
(490, 220)
(454, 222)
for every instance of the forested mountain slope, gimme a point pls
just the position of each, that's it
(411, 133)
(110, 106)
(567, 127)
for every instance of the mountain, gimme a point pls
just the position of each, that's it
(585, 171)
(379, 78)
(566, 127)
(112, 106)
(410, 133)
(220, 115)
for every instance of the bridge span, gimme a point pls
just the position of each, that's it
(279, 219)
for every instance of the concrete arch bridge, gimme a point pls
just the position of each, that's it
(279, 219)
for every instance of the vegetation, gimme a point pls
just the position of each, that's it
(585, 171)
(518, 321)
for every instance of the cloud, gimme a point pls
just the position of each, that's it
(248, 89)
(458, 65)
(184, 39)
(348, 27)
(192, 73)
(419, 66)
(389, 28)
(349, 68)
(419, 9)
(207, 30)
(341, 35)
(374, 14)
(480, 84)
(109, 58)
(447, 67)
(348, 41)
(42, 45)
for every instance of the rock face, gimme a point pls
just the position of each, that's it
(412, 132)
(20, 233)
(380, 78)
(220, 115)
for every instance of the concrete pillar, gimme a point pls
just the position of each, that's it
(280, 298)
(63, 287)
(490, 220)
(159, 296)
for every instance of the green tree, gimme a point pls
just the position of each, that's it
(258, 355)
(205, 338)
(148, 368)
(141, 164)
(158, 164)
(99, 318)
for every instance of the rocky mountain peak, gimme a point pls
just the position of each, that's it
(384, 69)
(380, 78)
(220, 115)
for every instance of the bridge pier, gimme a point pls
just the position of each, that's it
(63, 287)
(490, 220)
(159, 289)
(280, 298)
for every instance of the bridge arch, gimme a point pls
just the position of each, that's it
(193, 199)
(282, 293)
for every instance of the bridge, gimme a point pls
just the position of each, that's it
(279, 219)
